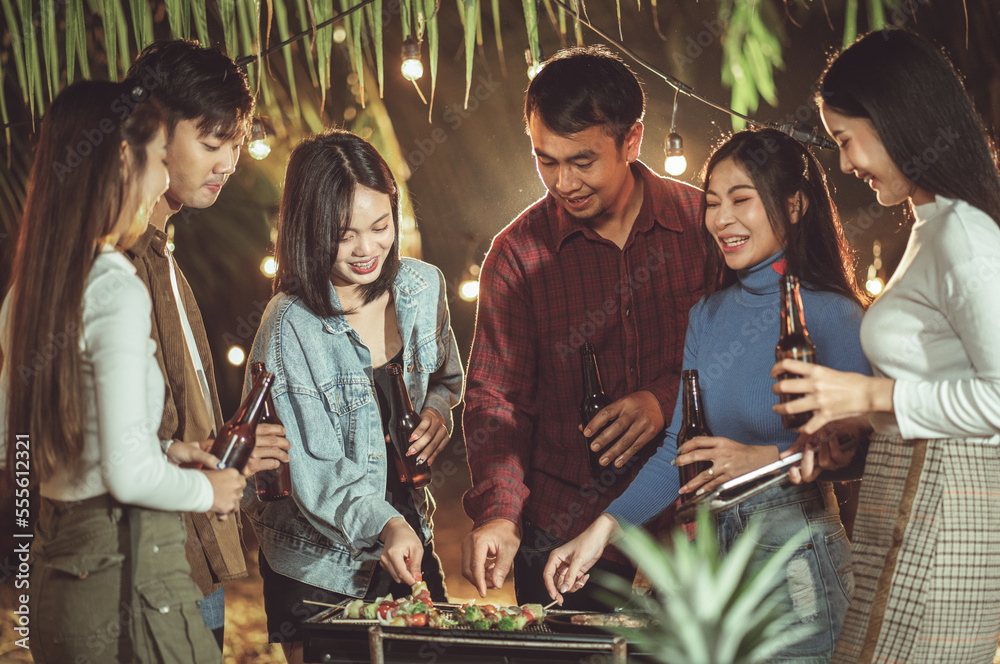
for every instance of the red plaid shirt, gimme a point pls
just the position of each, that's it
(548, 285)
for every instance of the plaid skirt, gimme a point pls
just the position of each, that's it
(926, 555)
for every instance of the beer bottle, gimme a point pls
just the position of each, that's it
(692, 425)
(794, 342)
(235, 442)
(594, 399)
(405, 420)
(276, 483)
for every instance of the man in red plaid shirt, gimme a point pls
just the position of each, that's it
(612, 256)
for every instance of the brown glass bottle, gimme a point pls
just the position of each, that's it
(594, 399)
(276, 483)
(692, 425)
(794, 342)
(404, 421)
(237, 438)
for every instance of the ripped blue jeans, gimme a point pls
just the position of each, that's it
(819, 579)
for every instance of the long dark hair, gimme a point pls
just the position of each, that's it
(780, 167)
(323, 173)
(915, 99)
(76, 193)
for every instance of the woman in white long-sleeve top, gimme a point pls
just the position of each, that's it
(82, 399)
(927, 534)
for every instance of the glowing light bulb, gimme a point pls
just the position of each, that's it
(412, 68)
(236, 355)
(258, 146)
(469, 290)
(675, 163)
(874, 286)
(339, 34)
(269, 266)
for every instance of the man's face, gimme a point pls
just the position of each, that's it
(586, 172)
(199, 165)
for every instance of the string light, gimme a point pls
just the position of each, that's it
(874, 284)
(258, 146)
(269, 266)
(675, 163)
(468, 290)
(412, 67)
(339, 34)
(236, 355)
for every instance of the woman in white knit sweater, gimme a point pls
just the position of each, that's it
(927, 535)
(82, 397)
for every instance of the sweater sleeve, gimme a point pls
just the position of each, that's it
(656, 486)
(116, 332)
(967, 407)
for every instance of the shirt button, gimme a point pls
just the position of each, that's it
(628, 312)
(156, 549)
(164, 609)
(631, 370)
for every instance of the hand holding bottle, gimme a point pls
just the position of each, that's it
(430, 437)
(271, 449)
(629, 423)
(728, 460)
(227, 490)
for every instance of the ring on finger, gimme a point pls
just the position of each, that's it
(711, 473)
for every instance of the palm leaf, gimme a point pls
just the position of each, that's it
(375, 21)
(32, 64)
(850, 22)
(50, 46)
(244, 10)
(406, 17)
(356, 45)
(531, 25)
(16, 47)
(227, 16)
(433, 44)
(142, 23)
(4, 116)
(306, 21)
(121, 25)
(281, 18)
(176, 9)
(497, 33)
(76, 40)
(200, 22)
(471, 10)
(876, 15)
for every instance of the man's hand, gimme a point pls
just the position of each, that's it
(402, 552)
(632, 421)
(488, 554)
(271, 448)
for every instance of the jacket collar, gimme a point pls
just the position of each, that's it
(152, 238)
(407, 285)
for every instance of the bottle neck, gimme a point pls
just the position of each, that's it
(692, 412)
(398, 396)
(591, 374)
(252, 407)
(792, 316)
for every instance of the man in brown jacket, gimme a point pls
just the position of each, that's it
(209, 108)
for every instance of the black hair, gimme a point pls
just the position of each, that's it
(192, 82)
(780, 167)
(584, 87)
(322, 175)
(911, 93)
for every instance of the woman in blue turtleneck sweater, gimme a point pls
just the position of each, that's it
(767, 212)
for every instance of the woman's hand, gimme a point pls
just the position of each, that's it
(567, 568)
(191, 455)
(227, 489)
(830, 395)
(402, 551)
(430, 437)
(830, 448)
(729, 459)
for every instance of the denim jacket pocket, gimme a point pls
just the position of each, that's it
(343, 399)
(429, 354)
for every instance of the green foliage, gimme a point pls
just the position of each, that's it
(751, 51)
(708, 607)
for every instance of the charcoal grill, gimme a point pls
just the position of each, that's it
(331, 638)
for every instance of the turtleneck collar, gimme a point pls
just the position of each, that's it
(764, 277)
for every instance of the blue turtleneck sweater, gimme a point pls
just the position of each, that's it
(730, 340)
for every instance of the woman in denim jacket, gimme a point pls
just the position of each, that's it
(345, 305)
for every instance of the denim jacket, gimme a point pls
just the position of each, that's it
(324, 393)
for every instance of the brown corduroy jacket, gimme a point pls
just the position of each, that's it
(213, 547)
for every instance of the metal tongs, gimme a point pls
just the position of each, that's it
(735, 491)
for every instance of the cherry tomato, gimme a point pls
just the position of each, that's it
(384, 608)
(418, 620)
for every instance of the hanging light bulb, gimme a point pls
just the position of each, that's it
(258, 146)
(339, 34)
(676, 163)
(412, 67)
(269, 266)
